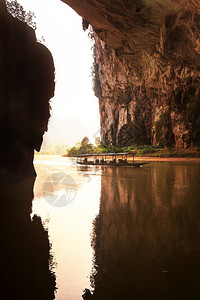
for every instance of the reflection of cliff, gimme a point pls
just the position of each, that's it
(147, 234)
(25, 260)
(26, 85)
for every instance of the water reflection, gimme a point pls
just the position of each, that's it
(25, 259)
(146, 237)
(69, 199)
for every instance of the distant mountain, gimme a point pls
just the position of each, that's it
(63, 133)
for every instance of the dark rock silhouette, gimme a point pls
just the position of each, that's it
(26, 86)
(87, 294)
(26, 262)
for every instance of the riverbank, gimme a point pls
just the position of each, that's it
(139, 151)
(146, 158)
(163, 154)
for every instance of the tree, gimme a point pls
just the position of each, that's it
(17, 11)
(86, 146)
(97, 141)
(83, 147)
(72, 151)
(85, 141)
(78, 145)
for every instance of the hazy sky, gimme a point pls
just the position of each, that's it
(75, 111)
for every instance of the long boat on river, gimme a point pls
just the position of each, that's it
(109, 159)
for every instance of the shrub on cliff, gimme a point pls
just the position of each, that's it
(17, 11)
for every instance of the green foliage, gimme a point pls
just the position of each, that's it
(72, 152)
(146, 149)
(86, 146)
(97, 141)
(82, 147)
(17, 11)
(85, 141)
(140, 151)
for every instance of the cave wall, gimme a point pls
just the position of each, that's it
(26, 86)
(148, 65)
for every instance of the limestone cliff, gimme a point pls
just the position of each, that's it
(148, 65)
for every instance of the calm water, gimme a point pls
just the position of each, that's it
(124, 233)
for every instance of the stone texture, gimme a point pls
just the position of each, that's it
(148, 58)
(26, 86)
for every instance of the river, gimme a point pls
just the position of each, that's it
(122, 232)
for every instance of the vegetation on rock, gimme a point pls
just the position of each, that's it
(96, 85)
(17, 11)
(85, 147)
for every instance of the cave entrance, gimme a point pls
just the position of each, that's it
(75, 111)
(74, 115)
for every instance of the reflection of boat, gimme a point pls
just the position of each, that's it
(109, 159)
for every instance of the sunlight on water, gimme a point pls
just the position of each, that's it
(143, 225)
(69, 225)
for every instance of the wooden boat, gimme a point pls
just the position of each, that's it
(109, 159)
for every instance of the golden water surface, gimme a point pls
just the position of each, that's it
(122, 232)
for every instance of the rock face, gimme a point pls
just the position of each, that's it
(148, 69)
(26, 86)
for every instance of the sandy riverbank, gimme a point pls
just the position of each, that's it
(139, 158)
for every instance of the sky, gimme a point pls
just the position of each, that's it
(75, 111)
